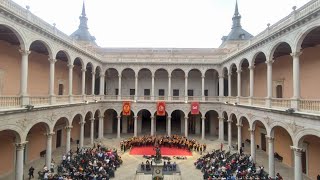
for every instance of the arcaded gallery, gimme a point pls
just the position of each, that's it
(248, 109)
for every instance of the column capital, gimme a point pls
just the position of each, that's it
(101, 117)
(230, 74)
(251, 67)
(239, 125)
(70, 66)
(136, 76)
(24, 52)
(82, 122)
(270, 139)
(101, 75)
(135, 117)
(21, 146)
(119, 76)
(296, 54)
(49, 135)
(269, 62)
(169, 76)
(203, 117)
(52, 61)
(251, 130)
(221, 77)
(169, 117)
(93, 72)
(118, 117)
(297, 150)
(229, 121)
(221, 118)
(239, 71)
(203, 76)
(83, 70)
(68, 127)
(92, 120)
(186, 76)
(186, 118)
(152, 117)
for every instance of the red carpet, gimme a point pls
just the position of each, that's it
(165, 151)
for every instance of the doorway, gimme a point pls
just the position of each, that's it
(58, 141)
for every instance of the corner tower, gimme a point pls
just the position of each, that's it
(82, 33)
(237, 34)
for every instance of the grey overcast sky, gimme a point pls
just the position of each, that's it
(161, 23)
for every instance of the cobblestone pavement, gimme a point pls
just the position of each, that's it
(127, 170)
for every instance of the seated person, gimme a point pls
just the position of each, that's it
(142, 166)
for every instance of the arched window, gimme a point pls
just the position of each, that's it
(279, 91)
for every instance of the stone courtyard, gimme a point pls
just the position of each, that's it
(127, 170)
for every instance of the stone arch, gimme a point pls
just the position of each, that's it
(163, 69)
(18, 34)
(62, 118)
(255, 121)
(178, 69)
(144, 68)
(302, 133)
(282, 125)
(144, 121)
(89, 113)
(278, 46)
(111, 69)
(64, 55)
(78, 61)
(48, 47)
(78, 114)
(110, 120)
(243, 61)
(257, 55)
(302, 35)
(19, 137)
(128, 69)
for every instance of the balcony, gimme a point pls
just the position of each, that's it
(303, 105)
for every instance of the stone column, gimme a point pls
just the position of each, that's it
(239, 84)
(169, 87)
(101, 90)
(202, 87)
(229, 133)
(118, 127)
(19, 160)
(221, 86)
(152, 125)
(152, 86)
(51, 80)
(271, 156)
(92, 131)
(70, 81)
(297, 163)
(49, 149)
(229, 84)
(203, 129)
(169, 125)
(81, 134)
(296, 79)
(221, 129)
(119, 88)
(100, 133)
(83, 82)
(251, 68)
(68, 129)
(93, 78)
(239, 136)
(186, 88)
(24, 77)
(136, 88)
(269, 82)
(186, 127)
(252, 145)
(135, 126)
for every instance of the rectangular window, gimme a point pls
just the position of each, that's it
(161, 92)
(132, 92)
(190, 92)
(117, 92)
(60, 89)
(146, 92)
(176, 92)
(206, 92)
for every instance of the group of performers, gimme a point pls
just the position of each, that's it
(165, 141)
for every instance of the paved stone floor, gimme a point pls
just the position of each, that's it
(127, 171)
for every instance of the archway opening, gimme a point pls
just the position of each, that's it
(61, 74)
(260, 73)
(128, 90)
(127, 123)
(144, 122)
(245, 78)
(60, 134)
(75, 132)
(194, 123)
(211, 85)
(234, 80)
(161, 84)
(110, 124)
(112, 83)
(211, 123)
(282, 144)
(145, 81)
(87, 125)
(161, 124)
(177, 118)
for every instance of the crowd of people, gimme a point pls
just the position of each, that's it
(166, 141)
(221, 165)
(97, 163)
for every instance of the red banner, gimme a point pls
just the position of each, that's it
(161, 108)
(126, 111)
(195, 108)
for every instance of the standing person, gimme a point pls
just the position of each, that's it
(31, 170)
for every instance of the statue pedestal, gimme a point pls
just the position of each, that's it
(157, 173)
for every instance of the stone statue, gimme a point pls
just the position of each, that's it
(158, 155)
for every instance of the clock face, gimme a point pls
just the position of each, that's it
(158, 171)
